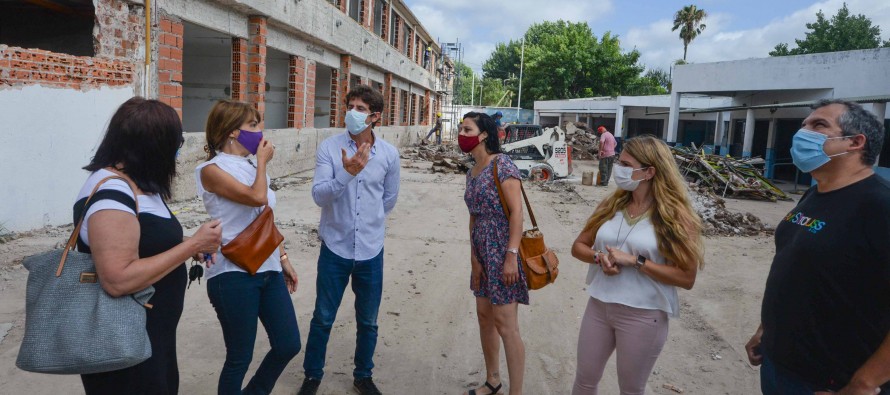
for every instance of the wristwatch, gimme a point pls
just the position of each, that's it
(513, 250)
(641, 260)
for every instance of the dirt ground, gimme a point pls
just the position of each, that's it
(428, 340)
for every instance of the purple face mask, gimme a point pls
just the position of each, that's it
(250, 140)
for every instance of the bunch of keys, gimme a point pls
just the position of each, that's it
(197, 271)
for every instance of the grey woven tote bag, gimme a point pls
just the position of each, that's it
(72, 326)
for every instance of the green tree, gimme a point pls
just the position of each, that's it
(565, 60)
(463, 83)
(689, 21)
(842, 33)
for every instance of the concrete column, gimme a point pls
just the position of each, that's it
(577, 117)
(719, 130)
(619, 122)
(310, 95)
(344, 87)
(169, 63)
(537, 119)
(749, 134)
(296, 92)
(256, 63)
(770, 150)
(673, 119)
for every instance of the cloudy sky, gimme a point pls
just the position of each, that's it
(735, 29)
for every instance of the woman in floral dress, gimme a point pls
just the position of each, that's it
(496, 280)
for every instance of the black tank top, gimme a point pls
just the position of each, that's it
(160, 373)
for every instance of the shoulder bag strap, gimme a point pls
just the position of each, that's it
(497, 183)
(72, 241)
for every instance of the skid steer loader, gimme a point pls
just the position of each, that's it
(540, 154)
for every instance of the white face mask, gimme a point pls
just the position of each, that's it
(355, 121)
(622, 176)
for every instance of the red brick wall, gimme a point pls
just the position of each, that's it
(256, 62)
(404, 105)
(310, 95)
(169, 64)
(119, 34)
(342, 5)
(425, 117)
(392, 105)
(366, 14)
(344, 87)
(335, 97)
(239, 69)
(296, 91)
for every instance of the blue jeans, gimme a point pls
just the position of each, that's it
(239, 299)
(775, 381)
(367, 285)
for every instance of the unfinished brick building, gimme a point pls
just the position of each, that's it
(65, 65)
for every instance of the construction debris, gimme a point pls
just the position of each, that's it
(672, 387)
(717, 220)
(726, 176)
(585, 144)
(445, 158)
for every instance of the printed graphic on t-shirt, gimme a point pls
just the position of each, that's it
(798, 218)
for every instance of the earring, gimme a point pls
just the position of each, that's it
(231, 141)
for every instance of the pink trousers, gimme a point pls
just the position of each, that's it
(638, 335)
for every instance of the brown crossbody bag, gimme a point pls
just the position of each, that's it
(255, 243)
(540, 264)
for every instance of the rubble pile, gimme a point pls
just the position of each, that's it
(726, 176)
(445, 158)
(717, 220)
(585, 144)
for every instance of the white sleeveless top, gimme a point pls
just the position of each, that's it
(150, 204)
(630, 287)
(235, 217)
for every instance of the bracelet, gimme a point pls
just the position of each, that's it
(283, 257)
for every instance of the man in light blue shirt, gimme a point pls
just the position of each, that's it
(356, 185)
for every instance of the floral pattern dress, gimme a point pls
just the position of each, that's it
(491, 233)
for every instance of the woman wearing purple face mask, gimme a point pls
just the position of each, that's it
(236, 190)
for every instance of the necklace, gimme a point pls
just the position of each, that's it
(618, 236)
(632, 216)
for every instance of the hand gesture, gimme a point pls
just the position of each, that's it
(265, 151)
(207, 239)
(290, 276)
(511, 269)
(477, 274)
(357, 162)
(755, 357)
(608, 265)
(621, 258)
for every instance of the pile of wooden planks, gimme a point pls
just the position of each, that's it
(726, 176)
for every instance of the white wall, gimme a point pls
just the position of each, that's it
(49, 135)
(206, 74)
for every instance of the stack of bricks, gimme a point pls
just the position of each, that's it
(388, 100)
(20, 66)
(256, 63)
(296, 92)
(169, 63)
(335, 100)
(239, 69)
(404, 107)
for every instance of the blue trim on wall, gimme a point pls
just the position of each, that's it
(770, 161)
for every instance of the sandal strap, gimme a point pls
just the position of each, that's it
(494, 390)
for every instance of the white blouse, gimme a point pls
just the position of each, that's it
(630, 287)
(235, 217)
(148, 204)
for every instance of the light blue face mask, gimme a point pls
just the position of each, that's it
(807, 150)
(355, 122)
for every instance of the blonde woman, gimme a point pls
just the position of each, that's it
(642, 242)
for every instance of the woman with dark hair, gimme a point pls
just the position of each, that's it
(496, 279)
(236, 190)
(135, 246)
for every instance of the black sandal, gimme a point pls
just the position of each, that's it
(494, 390)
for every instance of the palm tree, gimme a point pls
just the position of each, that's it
(688, 20)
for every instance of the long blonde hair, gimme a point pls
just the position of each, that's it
(224, 117)
(677, 226)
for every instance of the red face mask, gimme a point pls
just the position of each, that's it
(467, 143)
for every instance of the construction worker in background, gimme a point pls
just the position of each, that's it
(437, 129)
(426, 56)
(502, 133)
(606, 155)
